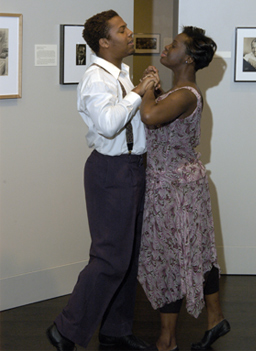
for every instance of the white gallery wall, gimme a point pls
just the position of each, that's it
(44, 235)
(228, 131)
(44, 232)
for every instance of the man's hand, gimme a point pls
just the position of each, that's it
(149, 81)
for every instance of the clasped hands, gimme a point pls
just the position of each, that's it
(150, 79)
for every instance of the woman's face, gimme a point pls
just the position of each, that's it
(174, 54)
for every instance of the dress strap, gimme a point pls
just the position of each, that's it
(193, 90)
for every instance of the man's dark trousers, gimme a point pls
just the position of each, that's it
(106, 287)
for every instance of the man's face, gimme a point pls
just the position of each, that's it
(254, 48)
(120, 38)
(81, 52)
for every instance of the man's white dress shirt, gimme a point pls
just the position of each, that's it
(106, 112)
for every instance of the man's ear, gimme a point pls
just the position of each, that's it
(104, 43)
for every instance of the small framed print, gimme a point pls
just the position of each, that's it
(10, 55)
(147, 43)
(245, 55)
(75, 54)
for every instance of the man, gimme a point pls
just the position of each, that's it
(81, 55)
(114, 188)
(249, 61)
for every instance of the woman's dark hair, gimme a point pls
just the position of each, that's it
(97, 27)
(200, 47)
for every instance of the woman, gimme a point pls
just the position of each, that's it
(178, 255)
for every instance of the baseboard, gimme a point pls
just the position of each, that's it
(38, 286)
(239, 260)
(42, 285)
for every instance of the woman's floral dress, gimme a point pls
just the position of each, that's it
(178, 245)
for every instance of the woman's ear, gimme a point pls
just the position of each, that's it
(190, 59)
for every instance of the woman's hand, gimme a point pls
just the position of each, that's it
(148, 70)
(149, 81)
(152, 70)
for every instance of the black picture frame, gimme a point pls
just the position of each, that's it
(146, 43)
(73, 46)
(245, 54)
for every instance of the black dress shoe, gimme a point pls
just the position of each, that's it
(128, 342)
(154, 348)
(59, 341)
(212, 335)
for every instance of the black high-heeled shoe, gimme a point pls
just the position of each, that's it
(154, 348)
(212, 335)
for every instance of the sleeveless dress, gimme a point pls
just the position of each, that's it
(178, 244)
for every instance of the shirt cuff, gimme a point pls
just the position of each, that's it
(133, 98)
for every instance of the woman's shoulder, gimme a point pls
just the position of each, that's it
(180, 90)
(193, 89)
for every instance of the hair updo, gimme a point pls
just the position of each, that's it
(198, 46)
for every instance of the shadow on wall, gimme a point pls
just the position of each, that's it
(208, 78)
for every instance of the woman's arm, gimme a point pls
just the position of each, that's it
(179, 104)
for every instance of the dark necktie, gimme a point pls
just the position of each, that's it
(128, 127)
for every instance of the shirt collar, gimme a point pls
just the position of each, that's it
(115, 71)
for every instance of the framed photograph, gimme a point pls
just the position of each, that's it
(75, 54)
(245, 55)
(147, 43)
(10, 55)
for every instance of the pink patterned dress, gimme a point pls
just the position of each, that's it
(178, 245)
